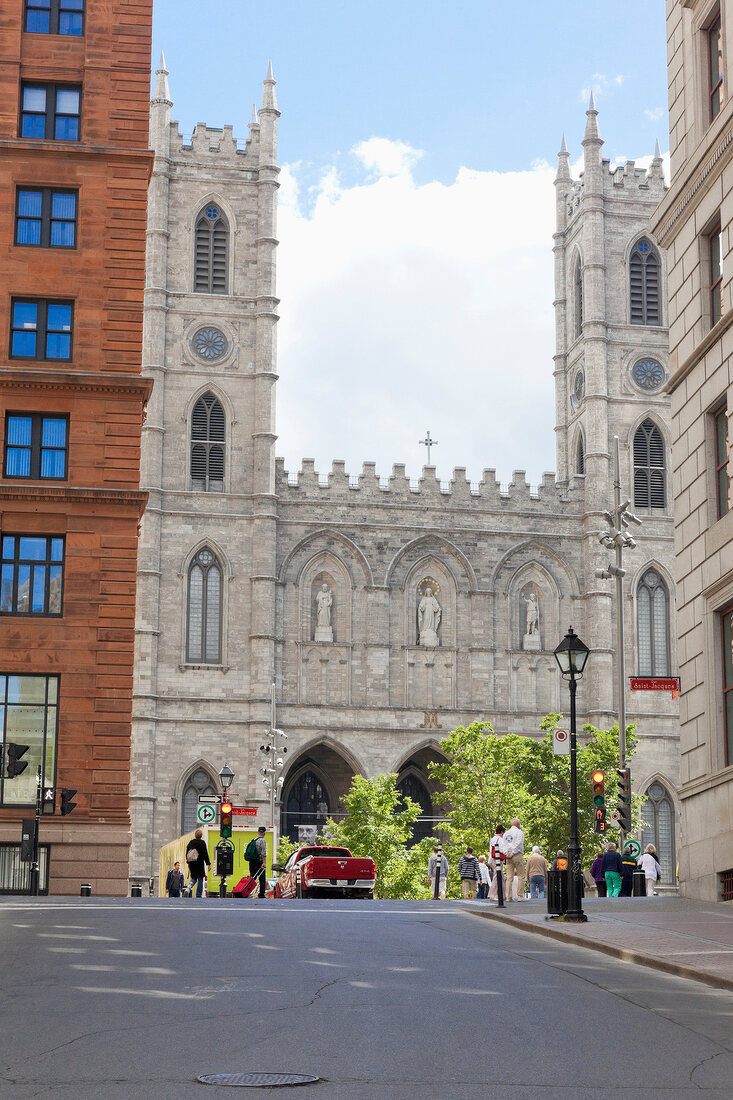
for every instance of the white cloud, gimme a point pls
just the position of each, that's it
(655, 114)
(408, 307)
(600, 84)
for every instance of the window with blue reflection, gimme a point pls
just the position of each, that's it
(57, 549)
(58, 331)
(18, 461)
(66, 126)
(54, 17)
(53, 447)
(24, 335)
(31, 584)
(33, 120)
(63, 219)
(28, 223)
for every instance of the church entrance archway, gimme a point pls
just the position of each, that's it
(414, 781)
(313, 789)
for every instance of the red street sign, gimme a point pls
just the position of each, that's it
(655, 683)
(244, 811)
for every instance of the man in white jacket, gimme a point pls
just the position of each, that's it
(514, 842)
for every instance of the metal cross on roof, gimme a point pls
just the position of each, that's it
(428, 442)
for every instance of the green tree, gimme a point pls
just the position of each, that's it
(489, 779)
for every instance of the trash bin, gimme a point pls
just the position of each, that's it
(557, 892)
(639, 887)
(136, 890)
(86, 890)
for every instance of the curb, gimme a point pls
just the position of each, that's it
(679, 971)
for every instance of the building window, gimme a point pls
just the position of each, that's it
(41, 329)
(204, 609)
(652, 609)
(411, 786)
(726, 626)
(658, 815)
(644, 270)
(54, 16)
(50, 111)
(306, 804)
(578, 297)
(722, 477)
(648, 374)
(200, 783)
(45, 218)
(208, 435)
(32, 575)
(715, 267)
(212, 252)
(580, 455)
(36, 446)
(29, 716)
(649, 489)
(715, 66)
(726, 884)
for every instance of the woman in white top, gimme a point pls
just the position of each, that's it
(650, 866)
(484, 878)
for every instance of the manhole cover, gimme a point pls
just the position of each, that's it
(257, 1080)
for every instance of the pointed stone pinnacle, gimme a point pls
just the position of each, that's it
(161, 92)
(657, 150)
(591, 102)
(254, 121)
(161, 64)
(269, 71)
(563, 148)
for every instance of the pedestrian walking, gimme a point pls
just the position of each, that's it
(628, 866)
(514, 841)
(651, 868)
(537, 868)
(468, 871)
(597, 874)
(485, 878)
(612, 867)
(174, 881)
(197, 859)
(497, 851)
(432, 865)
(256, 855)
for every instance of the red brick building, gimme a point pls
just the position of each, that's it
(74, 170)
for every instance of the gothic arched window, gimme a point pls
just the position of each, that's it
(649, 466)
(198, 783)
(644, 279)
(208, 435)
(578, 296)
(580, 455)
(203, 631)
(658, 813)
(306, 803)
(211, 260)
(410, 786)
(652, 613)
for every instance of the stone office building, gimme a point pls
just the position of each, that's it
(385, 610)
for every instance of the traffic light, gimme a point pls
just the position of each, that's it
(66, 801)
(15, 766)
(624, 799)
(598, 780)
(225, 820)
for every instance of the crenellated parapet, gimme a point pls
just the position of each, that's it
(338, 485)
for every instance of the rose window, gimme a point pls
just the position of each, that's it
(648, 374)
(210, 343)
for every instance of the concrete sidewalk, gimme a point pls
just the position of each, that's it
(692, 939)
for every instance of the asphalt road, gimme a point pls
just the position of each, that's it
(382, 1000)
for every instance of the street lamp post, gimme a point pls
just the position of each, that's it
(226, 775)
(571, 655)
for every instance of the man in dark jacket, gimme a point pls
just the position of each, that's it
(197, 860)
(628, 865)
(174, 881)
(612, 868)
(469, 873)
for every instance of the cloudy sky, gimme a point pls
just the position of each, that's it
(418, 145)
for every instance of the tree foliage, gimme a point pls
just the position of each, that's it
(489, 779)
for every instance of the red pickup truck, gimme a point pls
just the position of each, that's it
(318, 871)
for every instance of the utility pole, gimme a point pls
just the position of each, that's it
(35, 865)
(615, 538)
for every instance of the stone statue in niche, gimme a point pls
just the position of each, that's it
(429, 613)
(324, 603)
(531, 639)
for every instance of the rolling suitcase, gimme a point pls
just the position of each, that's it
(246, 887)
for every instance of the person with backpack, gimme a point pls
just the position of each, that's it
(174, 881)
(256, 856)
(197, 860)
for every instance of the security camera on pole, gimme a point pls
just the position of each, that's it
(274, 751)
(616, 538)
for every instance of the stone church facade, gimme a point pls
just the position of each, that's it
(385, 611)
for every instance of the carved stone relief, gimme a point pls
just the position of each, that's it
(429, 612)
(531, 639)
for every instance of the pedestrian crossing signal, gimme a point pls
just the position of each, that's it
(225, 820)
(598, 781)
